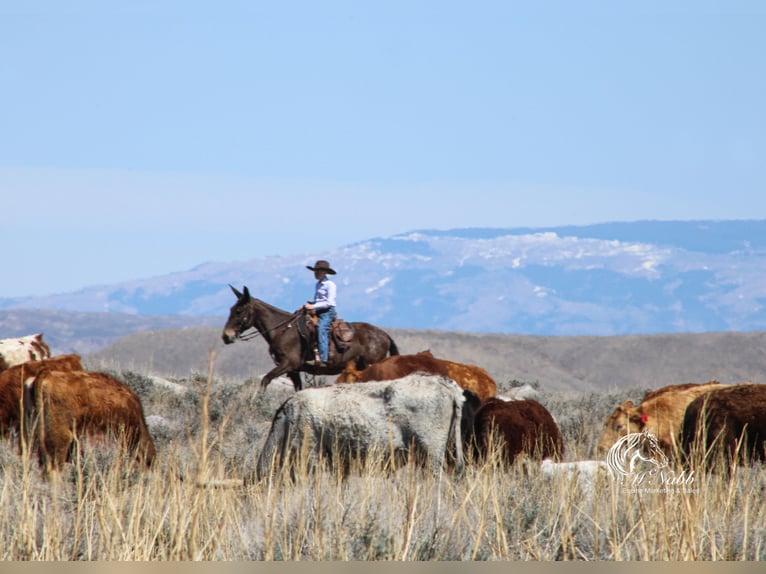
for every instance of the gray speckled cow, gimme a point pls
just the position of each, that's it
(418, 414)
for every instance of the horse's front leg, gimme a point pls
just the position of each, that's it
(277, 371)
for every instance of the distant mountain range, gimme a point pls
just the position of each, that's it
(607, 279)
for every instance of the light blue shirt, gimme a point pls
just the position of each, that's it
(324, 294)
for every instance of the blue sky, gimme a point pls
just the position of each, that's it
(145, 137)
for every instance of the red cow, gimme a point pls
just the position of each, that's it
(394, 367)
(723, 417)
(75, 404)
(523, 427)
(469, 377)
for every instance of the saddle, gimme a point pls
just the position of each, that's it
(341, 332)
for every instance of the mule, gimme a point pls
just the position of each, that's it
(290, 349)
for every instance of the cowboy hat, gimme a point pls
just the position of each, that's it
(322, 265)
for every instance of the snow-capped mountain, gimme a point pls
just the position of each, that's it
(606, 279)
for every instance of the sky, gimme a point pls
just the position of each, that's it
(141, 138)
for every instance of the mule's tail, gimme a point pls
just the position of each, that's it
(392, 348)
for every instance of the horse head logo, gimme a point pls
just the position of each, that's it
(635, 453)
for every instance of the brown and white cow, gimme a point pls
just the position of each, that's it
(23, 349)
(722, 417)
(14, 385)
(660, 412)
(416, 415)
(470, 377)
(75, 404)
(522, 426)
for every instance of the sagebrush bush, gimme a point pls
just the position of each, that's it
(193, 505)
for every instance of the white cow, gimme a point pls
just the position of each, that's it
(419, 412)
(525, 391)
(585, 473)
(23, 349)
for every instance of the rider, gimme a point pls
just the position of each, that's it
(324, 306)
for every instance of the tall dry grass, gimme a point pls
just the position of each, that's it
(192, 506)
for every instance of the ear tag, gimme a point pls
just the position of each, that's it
(644, 418)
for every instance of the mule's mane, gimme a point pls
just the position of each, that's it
(269, 306)
(267, 319)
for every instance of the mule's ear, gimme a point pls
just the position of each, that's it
(246, 293)
(237, 293)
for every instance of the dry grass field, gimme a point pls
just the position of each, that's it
(208, 430)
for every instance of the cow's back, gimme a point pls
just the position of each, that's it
(724, 415)
(400, 366)
(361, 415)
(74, 403)
(525, 426)
(347, 420)
(472, 378)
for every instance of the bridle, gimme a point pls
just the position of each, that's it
(247, 334)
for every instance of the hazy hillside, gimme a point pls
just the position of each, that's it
(557, 363)
(178, 345)
(607, 279)
(74, 332)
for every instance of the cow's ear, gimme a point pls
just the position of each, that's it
(626, 405)
(234, 290)
(639, 419)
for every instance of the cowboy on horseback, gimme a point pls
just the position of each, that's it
(324, 306)
(281, 330)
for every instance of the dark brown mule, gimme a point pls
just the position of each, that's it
(289, 350)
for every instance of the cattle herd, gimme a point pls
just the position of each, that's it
(415, 407)
(52, 401)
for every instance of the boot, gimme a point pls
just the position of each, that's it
(317, 362)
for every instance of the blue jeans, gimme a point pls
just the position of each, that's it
(325, 319)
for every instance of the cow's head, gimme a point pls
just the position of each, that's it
(350, 374)
(625, 419)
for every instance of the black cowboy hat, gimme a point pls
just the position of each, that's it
(322, 265)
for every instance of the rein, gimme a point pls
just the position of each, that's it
(247, 336)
